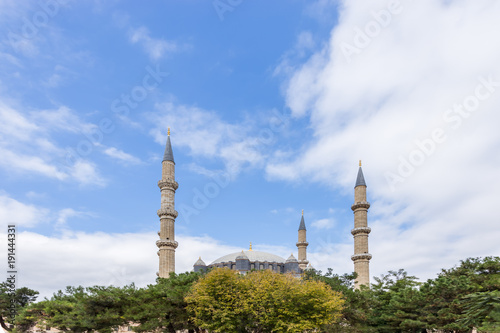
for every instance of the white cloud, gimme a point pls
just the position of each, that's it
(20, 214)
(383, 102)
(323, 223)
(208, 136)
(29, 144)
(102, 259)
(66, 213)
(156, 48)
(121, 155)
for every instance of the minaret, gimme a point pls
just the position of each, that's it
(167, 213)
(360, 232)
(302, 244)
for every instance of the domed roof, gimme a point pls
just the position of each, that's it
(252, 256)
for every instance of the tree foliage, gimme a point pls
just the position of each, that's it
(222, 300)
(18, 300)
(262, 301)
(162, 306)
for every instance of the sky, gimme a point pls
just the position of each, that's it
(271, 105)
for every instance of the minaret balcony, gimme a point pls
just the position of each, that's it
(168, 183)
(361, 256)
(166, 243)
(360, 204)
(168, 212)
(302, 244)
(362, 230)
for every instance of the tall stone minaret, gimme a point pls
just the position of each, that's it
(302, 244)
(167, 213)
(360, 232)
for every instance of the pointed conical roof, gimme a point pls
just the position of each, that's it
(199, 262)
(291, 258)
(302, 225)
(242, 255)
(169, 155)
(360, 180)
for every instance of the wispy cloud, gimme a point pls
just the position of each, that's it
(323, 223)
(208, 136)
(156, 48)
(29, 144)
(65, 214)
(121, 155)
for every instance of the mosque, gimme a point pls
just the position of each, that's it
(245, 261)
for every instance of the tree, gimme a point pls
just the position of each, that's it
(358, 303)
(79, 309)
(262, 301)
(161, 307)
(397, 303)
(482, 310)
(19, 299)
(444, 296)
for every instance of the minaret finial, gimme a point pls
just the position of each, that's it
(168, 133)
(359, 162)
(302, 212)
(250, 246)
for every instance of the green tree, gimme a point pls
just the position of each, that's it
(262, 301)
(21, 298)
(161, 307)
(397, 303)
(482, 310)
(79, 309)
(445, 308)
(358, 303)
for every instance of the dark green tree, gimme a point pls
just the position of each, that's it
(79, 309)
(162, 306)
(444, 297)
(482, 310)
(397, 303)
(16, 301)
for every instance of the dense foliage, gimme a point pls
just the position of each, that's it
(261, 302)
(13, 302)
(457, 300)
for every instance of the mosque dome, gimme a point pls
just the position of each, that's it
(252, 256)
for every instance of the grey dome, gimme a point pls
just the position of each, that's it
(252, 256)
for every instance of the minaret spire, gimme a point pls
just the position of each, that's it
(169, 154)
(167, 213)
(302, 244)
(361, 257)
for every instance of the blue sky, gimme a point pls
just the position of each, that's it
(271, 105)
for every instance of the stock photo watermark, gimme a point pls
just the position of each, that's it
(453, 117)
(37, 21)
(121, 107)
(223, 6)
(364, 36)
(11, 270)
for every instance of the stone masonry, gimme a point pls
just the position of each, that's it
(167, 213)
(361, 257)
